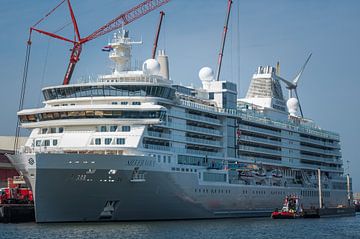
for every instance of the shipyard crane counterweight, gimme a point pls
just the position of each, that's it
(120, 21)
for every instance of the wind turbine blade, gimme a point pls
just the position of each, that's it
(297, 97)
(297, 77)
(288, 83)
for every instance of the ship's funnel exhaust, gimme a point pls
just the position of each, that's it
(163, 60)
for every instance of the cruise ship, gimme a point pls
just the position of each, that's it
(133, 145)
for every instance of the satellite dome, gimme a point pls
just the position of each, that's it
(151, 67)
(206, 74)
(292, 105)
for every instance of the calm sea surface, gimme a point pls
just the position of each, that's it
(346, 227)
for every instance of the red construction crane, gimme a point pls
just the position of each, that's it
(162, 14)
(120, 21)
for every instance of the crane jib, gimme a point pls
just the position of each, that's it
(118, 22)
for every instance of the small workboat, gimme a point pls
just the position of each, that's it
(290, 210)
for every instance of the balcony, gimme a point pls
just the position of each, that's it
(158, 135)
(320, 151)
(204, 130)
(260, 140)
(321, 143)
(259, 130)
(259, 150)
(203, 119)
(204, 141)
(320, 159)
(157, 147)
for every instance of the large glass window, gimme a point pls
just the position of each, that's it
(109, 90)
(94, 114)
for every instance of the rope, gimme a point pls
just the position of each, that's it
(48, 14)
(43, 72)
(231, 47)
(238, 46)
(22, 93)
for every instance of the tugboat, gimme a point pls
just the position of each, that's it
(290, 210)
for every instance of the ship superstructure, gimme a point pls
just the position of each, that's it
(135, 146)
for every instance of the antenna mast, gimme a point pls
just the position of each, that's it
(221, 53)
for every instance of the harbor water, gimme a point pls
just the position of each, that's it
(341, 227)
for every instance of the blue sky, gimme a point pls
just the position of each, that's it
(261, 32)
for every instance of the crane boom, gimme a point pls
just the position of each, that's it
(221, 53)
(126, 18)
(157, 35)
(120, 21)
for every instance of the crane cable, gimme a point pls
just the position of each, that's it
(22, 93)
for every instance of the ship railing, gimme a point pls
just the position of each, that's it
(320, 151)
(203, 130)
(157, 147)
(203, 118)
(134, 79)
(204, 141)
(251, 115)
(192, 128)
(182, 150)
(335, 144)
(320, 159)
(200, 152)
(254, 159)
(257, 139)
(256, 129)
(158, 134)
(258, 149)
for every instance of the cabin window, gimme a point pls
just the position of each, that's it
(125, 128)
(120, 141)
(103, 128)
(61, 130)
(46, 142)
(97, 141)
(38, 143)
(44, 130)
(113, 128)
(52, 130)
(108, 141)
(136, 103)
(55, 142)
(124, 103)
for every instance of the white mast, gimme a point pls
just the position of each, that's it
(319, 182)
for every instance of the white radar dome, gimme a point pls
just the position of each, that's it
(206, 74)
(292, 105)
(151, 67)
